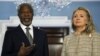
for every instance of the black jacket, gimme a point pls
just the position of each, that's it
(13, 40)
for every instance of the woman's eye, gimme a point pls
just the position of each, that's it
(82, 16)
(75, 16)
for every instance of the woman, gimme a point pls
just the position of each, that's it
(84, 41)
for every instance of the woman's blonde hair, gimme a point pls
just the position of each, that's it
(90, 25)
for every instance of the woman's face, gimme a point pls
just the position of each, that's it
(80, 18)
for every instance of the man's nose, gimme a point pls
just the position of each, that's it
(26, 14)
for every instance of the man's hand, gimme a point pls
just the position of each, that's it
(25, 50)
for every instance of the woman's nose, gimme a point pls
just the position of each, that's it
(78, 18)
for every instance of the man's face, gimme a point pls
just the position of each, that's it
(25, 16)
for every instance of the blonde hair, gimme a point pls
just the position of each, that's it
(90, 25)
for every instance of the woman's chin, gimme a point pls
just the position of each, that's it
(78, 25)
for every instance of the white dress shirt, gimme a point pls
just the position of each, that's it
(24, 29)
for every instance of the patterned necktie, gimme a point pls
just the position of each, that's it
(29, 35)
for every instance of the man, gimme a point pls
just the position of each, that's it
(18, 42)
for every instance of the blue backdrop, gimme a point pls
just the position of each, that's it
(9, 9)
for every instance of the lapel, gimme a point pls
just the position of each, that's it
(21, 32)
(22, 35)
(35, 35)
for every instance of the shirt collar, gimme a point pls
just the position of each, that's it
(23, 26)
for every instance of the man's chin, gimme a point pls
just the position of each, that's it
(26, 20)
(27, 23)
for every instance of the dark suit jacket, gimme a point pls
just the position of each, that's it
(14, 38)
